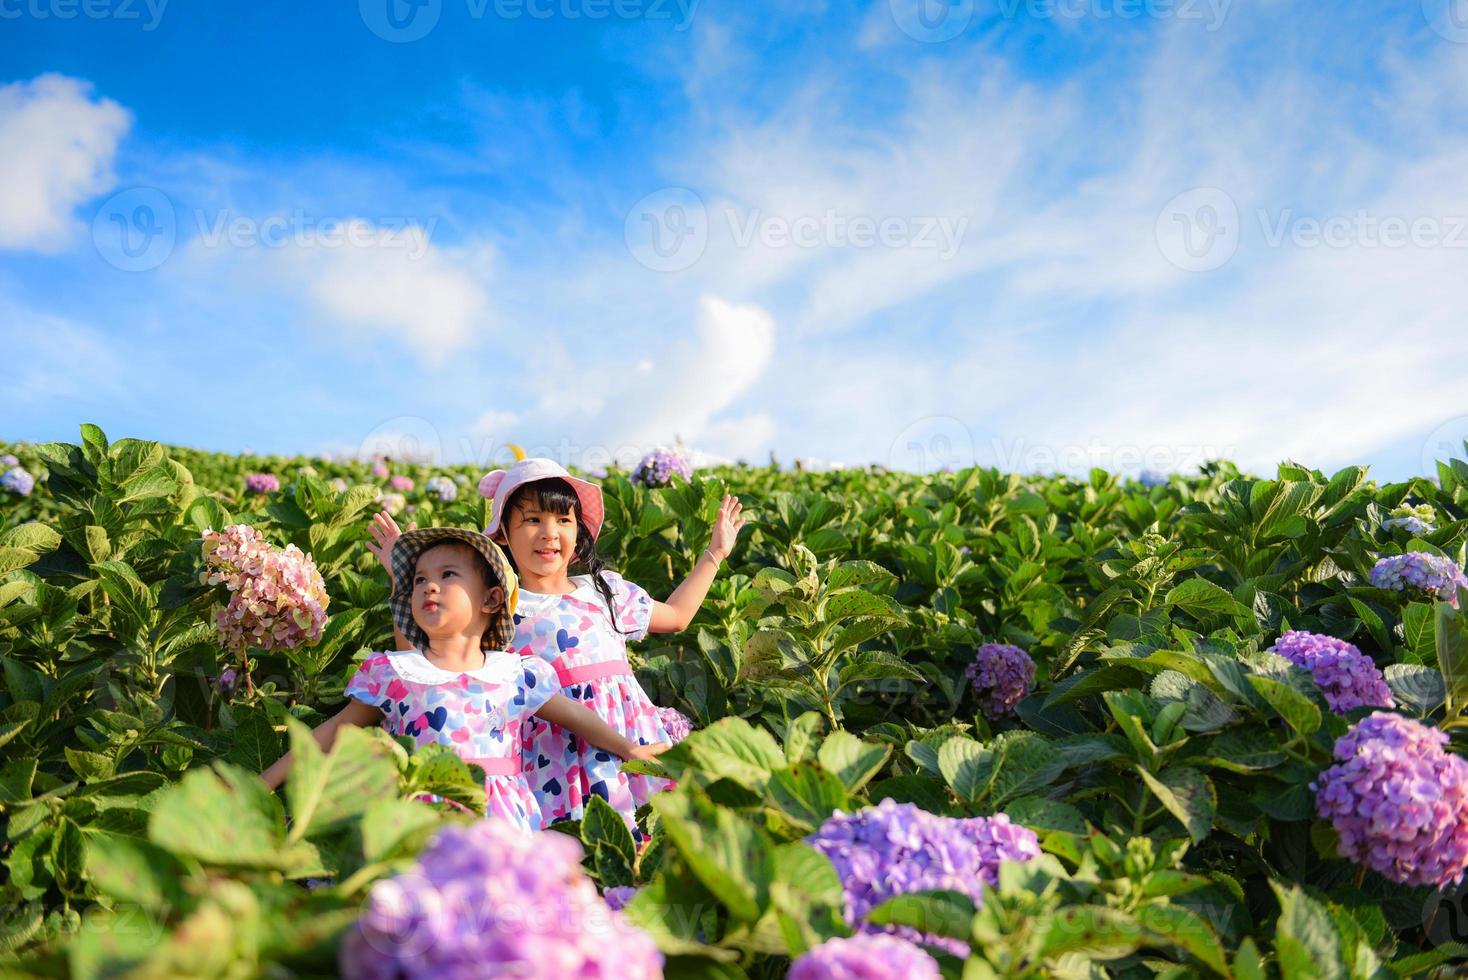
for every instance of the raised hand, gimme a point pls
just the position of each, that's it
(726, 527)
(385, 532)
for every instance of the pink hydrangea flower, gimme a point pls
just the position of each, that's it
(261, 483)
(399, 482)
(676, 723)
(277, 599)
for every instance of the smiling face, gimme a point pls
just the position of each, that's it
(452, 594)
(542, 539)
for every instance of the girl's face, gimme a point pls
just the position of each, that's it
(543, 543)
(450, 595)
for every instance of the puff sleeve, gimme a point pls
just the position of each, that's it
(633, 606)
(537, 684)
(369, 683)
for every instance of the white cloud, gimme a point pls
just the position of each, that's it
(57, 144)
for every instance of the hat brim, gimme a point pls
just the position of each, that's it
(405, 554)
(593, 509)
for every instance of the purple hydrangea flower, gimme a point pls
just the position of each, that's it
(1152, 478)
(864, 957)
(443, 488)
(261, 483)
(489, 900)
(1001, 675)
(658, 468)
(892, 848)
(1345, 675)
(676, 723)
(18, 480)
(1398, 801)
(228, 680)
(1421, 575)
(618, 896)
(8, 461)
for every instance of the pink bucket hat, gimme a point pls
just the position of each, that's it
(500, 485)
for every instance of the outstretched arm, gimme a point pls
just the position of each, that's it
(355, 713)
(674, 615)
(561, 710)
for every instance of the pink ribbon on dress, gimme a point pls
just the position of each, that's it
(500, 766)
(570, 676)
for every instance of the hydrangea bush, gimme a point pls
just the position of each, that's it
(891, 848)
(277, 599)
(487, 900)
(1398, 801)
(659, 467)
(1345, 675)
(1001, 675)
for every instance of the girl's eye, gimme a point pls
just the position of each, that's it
(419, 580)
(447, 573)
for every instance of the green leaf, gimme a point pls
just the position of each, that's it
(1417, 688)
(256, 744)
(1181, 926)
(1298, 711)
(327, 790)
(1188, 795)
(967, 766)
(850, 573)
(807, 897)
(1452, 655)
(1419, 633)
(1202, 599)
(935, 911)
(852, 760)
(396, 828)
(1305, 939)
(1204, 710)
(127, 869)
(1038, 813)
(807, 794)
(1101, 933)
(90, 765)
(156, 481)
(873, 665)
(225, 817)
(729, 855)
(732, 748)
(801, 735)
(602, 824)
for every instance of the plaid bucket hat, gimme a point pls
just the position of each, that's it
(405, 552)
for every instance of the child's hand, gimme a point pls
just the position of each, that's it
(649, 751)
(726, 527)
(384, 532)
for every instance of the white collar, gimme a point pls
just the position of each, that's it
(412, 665)
(582, 583)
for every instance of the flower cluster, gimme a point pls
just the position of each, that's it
(892, 848)
(618, 896)
(261, 483)
(18, 480)
(1152, 478)
(9, 460)
(1001, 676)
(443, 488)
(379, 470)
(488, 900)
(338, 484)
(393, 503)
(277, 600)
(658, 468)
(400, 483)
(1421, 575)
(676, 722)
(1414, 520)
(864, 957)
(1398, 801)
(1345, 675)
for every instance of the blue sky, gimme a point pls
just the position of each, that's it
(1040, 234)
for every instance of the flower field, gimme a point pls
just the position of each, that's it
(972, 724)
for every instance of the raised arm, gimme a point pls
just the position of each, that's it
(355, 713)
(674, 615)
(385, 533)
(561, 710)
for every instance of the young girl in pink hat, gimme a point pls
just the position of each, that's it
(580, 625)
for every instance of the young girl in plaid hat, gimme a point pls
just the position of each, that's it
(580, 624)
(454, 597)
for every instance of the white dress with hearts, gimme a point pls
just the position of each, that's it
(480, 714)
(577, 637)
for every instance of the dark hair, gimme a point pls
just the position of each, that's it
(554, 495)
(491, 581)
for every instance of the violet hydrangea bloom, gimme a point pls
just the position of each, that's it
(658, 468)
(677, 724)
(1001, 675)
(864, 957)
(261, 483)
(1152, 478)
(618, 896)
(1398, 801)
(886, 850)
(443, 488)
(18, 480)
(1421, 575)
(488, 900)
(9, 460)
(1346, 676)
(277, 599)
